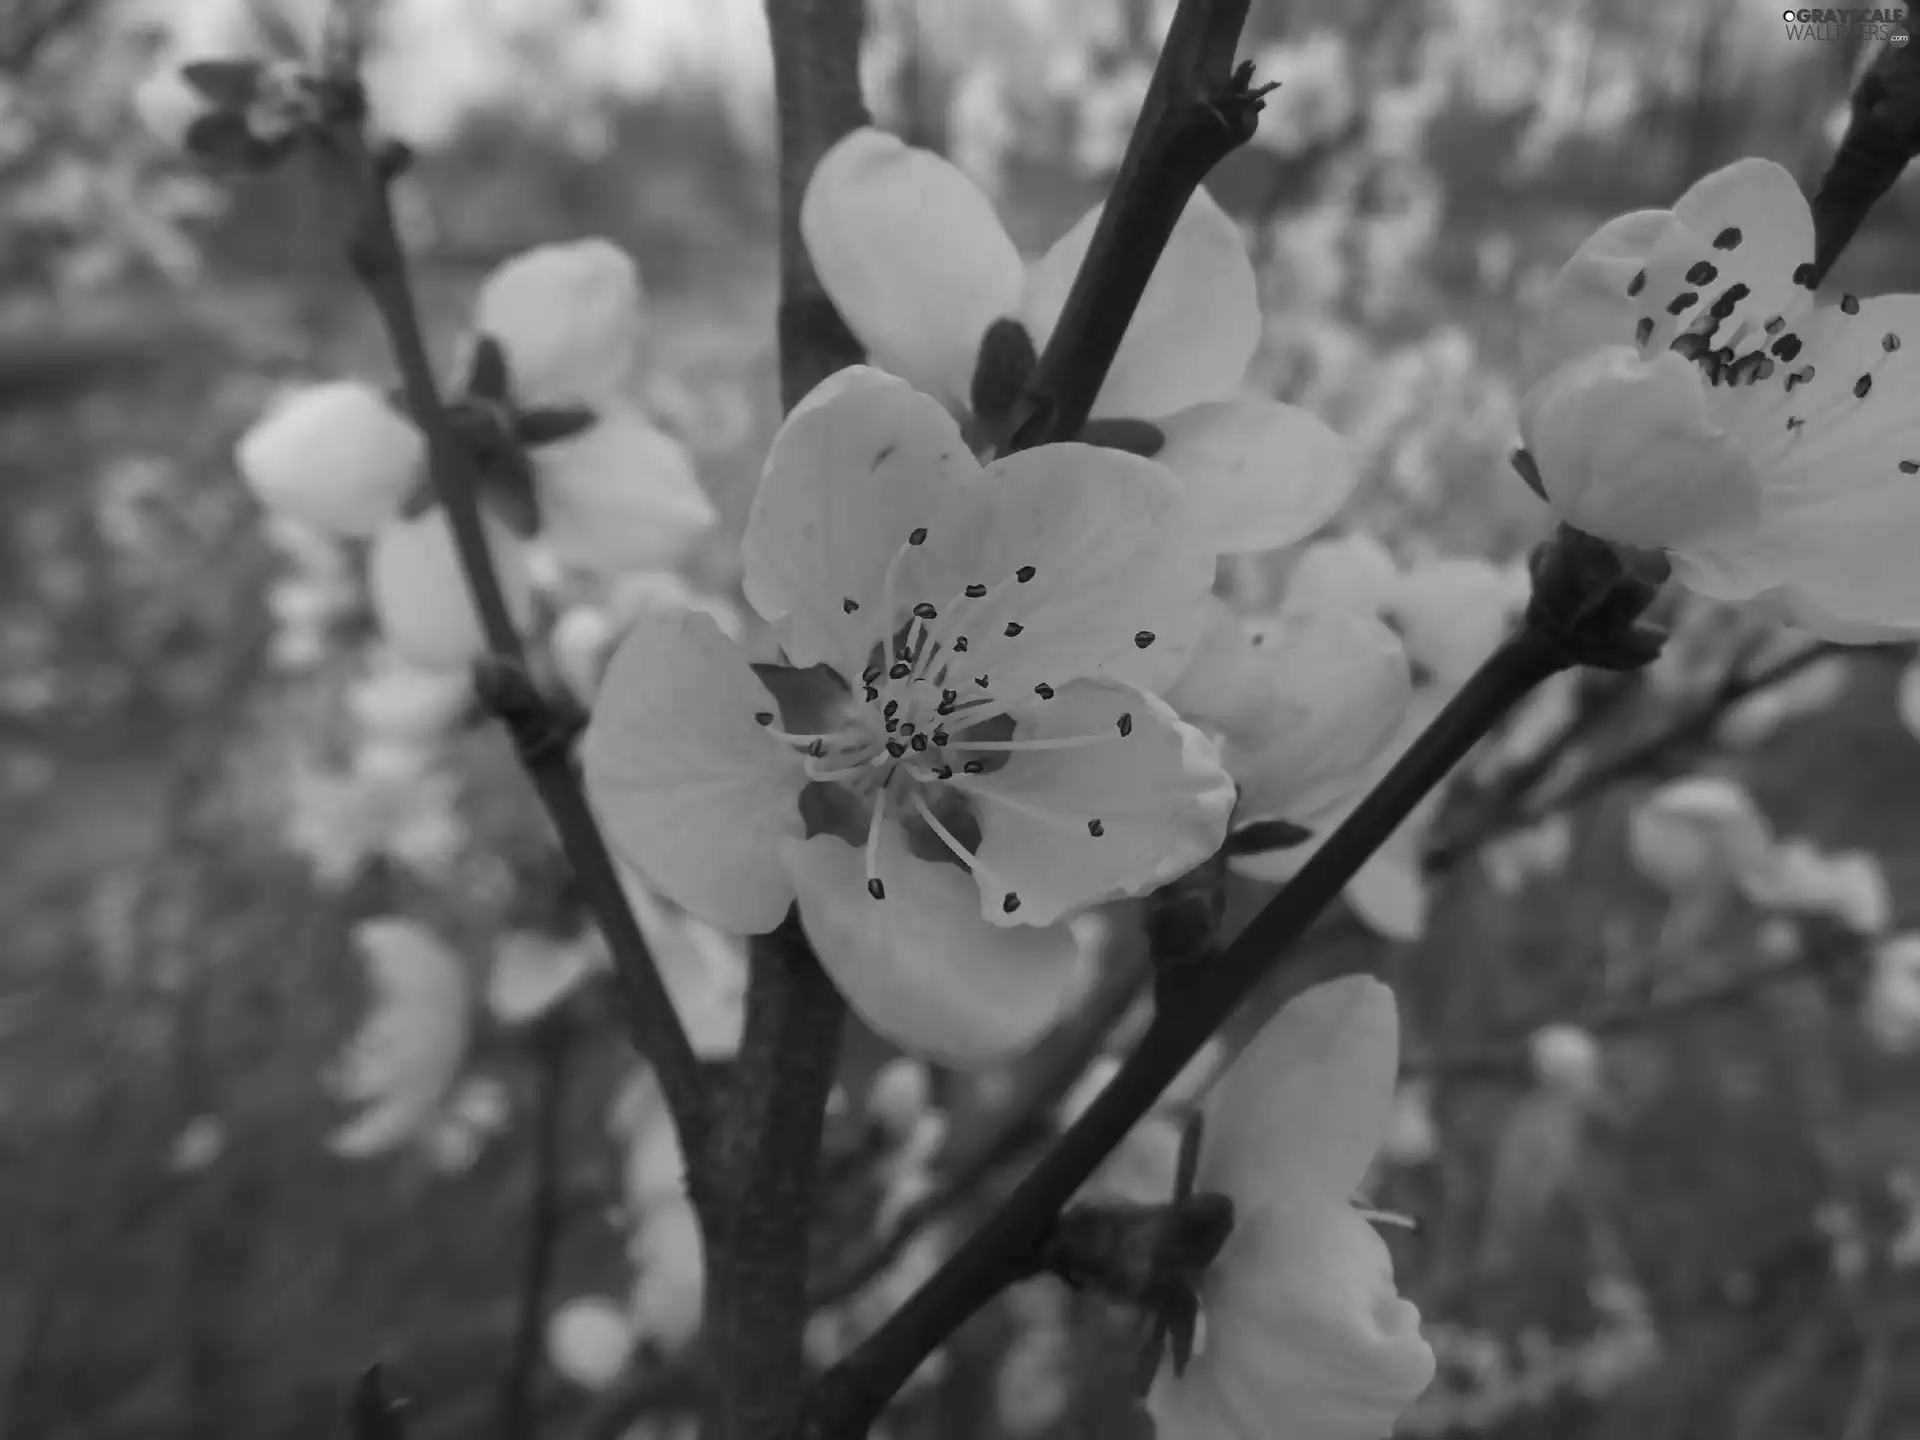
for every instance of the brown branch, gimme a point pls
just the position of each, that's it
(378, 258)
(1199, 108)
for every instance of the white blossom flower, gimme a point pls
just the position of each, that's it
(1698, 832)
(532, 973)
(608, 491)
(966, 748)
(405, 1059)
(1302, 1321)
(1412, 1137)
(1316, 98)
(669, 1257)
(918, 263)
(900, 1093)
(1850, 885)
(398, 701)
(588, 1339)
(1697, 398)
(1892, 1001)
(1541, 850)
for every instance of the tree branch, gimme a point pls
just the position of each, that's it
(378, 259)
(848, 1398)
(552, 1044)
(1198, 109)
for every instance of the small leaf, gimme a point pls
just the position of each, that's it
(1136, 437)
(558, 422)
(228, 84)
(1528, 471)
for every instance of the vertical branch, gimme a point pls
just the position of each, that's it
(552, 1043)
(764, 1163)
(764, 1154)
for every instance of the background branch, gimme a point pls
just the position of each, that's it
(375, 251)
(552, 1045)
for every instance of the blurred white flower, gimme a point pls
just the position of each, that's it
(1850, 885)
(1754, 719)
(201, 1141)
(1538, 851)
(669, 1261)
(1688, 343)
(475, 1113)
(1315, 100)
(1697, 833)
(168, 106)
(608, 491)
(1567, 1059)
(583, 637)
(1033, 1384)
(654, 1170)
(705, 971)
(1302, 1318)
(900, 1093)
(1411, 1137)
(1909, 701)
(532, 973)
(403, 1063)
(588, 1339)
(1892, 1004)
(395, 700)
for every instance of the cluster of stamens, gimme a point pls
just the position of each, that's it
(918, 729)
(1750, 354)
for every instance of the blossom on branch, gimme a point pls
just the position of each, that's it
(965, 747)
(1697, 397)
(1303, 1327)
(553, 444)
(917, 262)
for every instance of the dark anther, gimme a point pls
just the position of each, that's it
(1024, 574)
(1682, 302)
(849, 604)
(1910, 467)
(1096, 828)
(926, 611)
(1126, 724)
(1143, 638)
(876, 889)
(1803, 275)
(918, 537)
(1043, 690)
(1014, 627)
(1786, 347)
(974, 767)
(900, 670)
(919, 742)
(893, 708)
(763, 717)
(1727, 238)
(1849, 305)
(1637, 284)
(945, 772)
(1702, 273)
(975, 591)
(896, 749)
(1011, 903)
(1643, 332)
(1862, 386)
(1890, 342)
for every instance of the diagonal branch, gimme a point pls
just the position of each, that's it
(379, 260)
(1199, 108)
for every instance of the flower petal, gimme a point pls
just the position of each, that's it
(1588, 306)
(1453, 611)
(568, 317)
(620, 495)
(1628, 451)
(860, 465)
(693, 792)
(1260, 473)
(921, 967)
(1389, 892)
(1063, 829)
(913, 257)
(1303, 1320)
(1196, 328)
(337, 456)
(1305, 1105)
(1335, 689)
(419, 592)
(1116, 570)
(1346, 572)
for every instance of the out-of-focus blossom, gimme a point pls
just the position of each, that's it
(1316, 98)
(918, 263)
(1033, 1385)
(1302, 1318)
(1849, 885)
(1909, 701)
(705, 971)
(405, 1059)
(1567, 1058)
(669, 1259)
(1695, 398)
(1699, 832)
(1538, 851)
(1892, 1006)
(1411, 1136)
(588, 1339)
(604, 490)
(532, 973)
(582, 640)
(901, 1091)
(475, 1113)
(965, 749)
(201, 1141)
(395, 700)
(1813, 689)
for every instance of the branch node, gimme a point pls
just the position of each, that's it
(543, 727)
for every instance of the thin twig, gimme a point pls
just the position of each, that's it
(652, 1021)
(552, 1044)
(1644, 757)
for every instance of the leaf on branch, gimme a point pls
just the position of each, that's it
(547, 425)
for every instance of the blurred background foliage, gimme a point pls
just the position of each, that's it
(1712, 1251)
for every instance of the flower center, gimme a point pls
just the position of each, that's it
(929, 727)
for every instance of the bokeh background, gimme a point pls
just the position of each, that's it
(1713, 1240)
